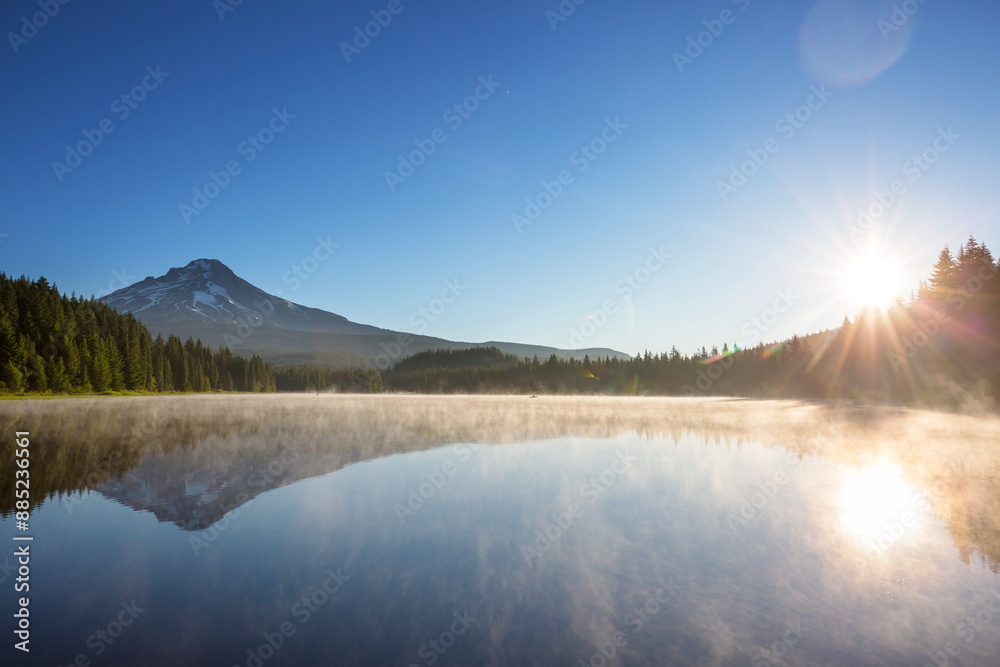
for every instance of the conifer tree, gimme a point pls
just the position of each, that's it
(944, 278)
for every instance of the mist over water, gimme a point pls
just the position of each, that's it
(419, 530)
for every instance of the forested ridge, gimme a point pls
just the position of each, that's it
(54, 343)
(941, 346)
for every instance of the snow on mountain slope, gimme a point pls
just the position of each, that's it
(207, 301)
(207, 293)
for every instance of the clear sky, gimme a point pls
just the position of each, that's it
(673, 128)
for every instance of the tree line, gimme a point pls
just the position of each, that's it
(941, 346)
(53, 343)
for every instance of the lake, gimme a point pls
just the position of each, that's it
(417, 530)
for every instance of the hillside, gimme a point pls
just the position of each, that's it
(206, 300)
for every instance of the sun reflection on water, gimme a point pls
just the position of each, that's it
(878, 506)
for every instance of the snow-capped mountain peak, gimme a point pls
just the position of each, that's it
(206, 292)
(205, 299)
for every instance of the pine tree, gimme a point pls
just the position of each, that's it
(100, 369)
(134, 364)
(10, 378)
(115, 365)
(38, 379)
(71, 355)
(944, 279)
(58, 377)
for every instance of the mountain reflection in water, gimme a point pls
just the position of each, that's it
(607, 531)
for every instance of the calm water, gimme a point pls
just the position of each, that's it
(461, 531)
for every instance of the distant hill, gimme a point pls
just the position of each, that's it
(940, 348)
(206, 300)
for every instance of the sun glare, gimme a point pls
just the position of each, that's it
(873, 500)
(871, 280)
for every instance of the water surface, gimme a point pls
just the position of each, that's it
(321, 530)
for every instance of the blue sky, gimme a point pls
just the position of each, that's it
(323, 176)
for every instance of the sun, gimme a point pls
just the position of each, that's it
(871, 280)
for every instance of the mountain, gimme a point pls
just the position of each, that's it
(207, 295)
(207, 300)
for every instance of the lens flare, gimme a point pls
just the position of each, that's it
(850, 42)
